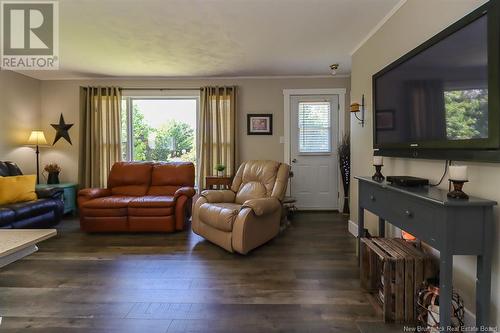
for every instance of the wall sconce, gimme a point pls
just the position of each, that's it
(356, 107)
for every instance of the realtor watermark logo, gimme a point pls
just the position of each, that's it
(29, 35)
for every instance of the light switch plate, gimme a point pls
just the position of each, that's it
(282, 139)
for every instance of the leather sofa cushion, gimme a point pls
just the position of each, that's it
(152, 206)
(161, 211)
(253, 173)
(174, 174)
(130, 190)
(220, 216)
(9, 169)
(7, 216)
(45, 220)
(169, 177)
(152, 202)
(4, 169)
(112, 202)
(14, 169)
(25, 210)
(250, 190)
(162, 190)
(130, 178)
(104, 212)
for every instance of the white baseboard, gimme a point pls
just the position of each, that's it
(353, 228)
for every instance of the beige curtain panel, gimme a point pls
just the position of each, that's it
(216, 131)
(100, 140)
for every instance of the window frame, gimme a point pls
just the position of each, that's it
(171, 95)
(330, 128)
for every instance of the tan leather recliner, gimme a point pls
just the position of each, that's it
(248, 215)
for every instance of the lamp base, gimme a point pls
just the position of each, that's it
(378, 176)
(457, 192)
(37, 152)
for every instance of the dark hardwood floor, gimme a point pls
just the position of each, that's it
(306, 280)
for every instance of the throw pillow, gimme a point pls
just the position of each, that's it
(15, 189)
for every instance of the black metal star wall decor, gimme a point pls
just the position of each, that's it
(62, 130)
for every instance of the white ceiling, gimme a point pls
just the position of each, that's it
(211, 38)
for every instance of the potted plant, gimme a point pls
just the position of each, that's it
(53, 169)
(344, 151)
(220, 170)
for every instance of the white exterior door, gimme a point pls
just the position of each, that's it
(313, 151)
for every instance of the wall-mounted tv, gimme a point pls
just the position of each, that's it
(441, 100)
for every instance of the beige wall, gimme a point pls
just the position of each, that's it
(19, 114)
(415, 22)
(254, 96)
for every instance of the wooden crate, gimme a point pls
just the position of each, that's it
(393, 271)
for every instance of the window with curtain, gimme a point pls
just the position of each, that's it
(314, 127)
(216, 130)
(159, 128)
(100, 134)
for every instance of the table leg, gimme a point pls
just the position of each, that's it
(381, 227)
(361, 230)
(483, 275)
(445, 288)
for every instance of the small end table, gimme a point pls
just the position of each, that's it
(69, 195)
(218, 183)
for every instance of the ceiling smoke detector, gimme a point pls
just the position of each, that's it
(334, 68)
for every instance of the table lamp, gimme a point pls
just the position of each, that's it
(36, 139)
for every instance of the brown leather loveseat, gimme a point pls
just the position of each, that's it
(141, 197)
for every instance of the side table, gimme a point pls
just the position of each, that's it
(218, 183)
(69, 195)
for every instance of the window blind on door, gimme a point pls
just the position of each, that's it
(314, 127)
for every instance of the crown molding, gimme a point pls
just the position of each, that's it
(179, 78)
(378, 26)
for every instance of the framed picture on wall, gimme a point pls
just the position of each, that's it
(260, 124)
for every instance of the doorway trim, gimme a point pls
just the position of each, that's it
(287, 94)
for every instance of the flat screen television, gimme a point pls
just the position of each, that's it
(441, 100)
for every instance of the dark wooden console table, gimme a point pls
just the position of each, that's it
(454, 227)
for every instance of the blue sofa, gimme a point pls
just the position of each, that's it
(45, 212)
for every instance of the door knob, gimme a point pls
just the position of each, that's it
(294, 160)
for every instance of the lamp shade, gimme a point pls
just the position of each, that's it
(37, 138)
(355, 107)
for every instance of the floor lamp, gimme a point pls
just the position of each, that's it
(36, 139)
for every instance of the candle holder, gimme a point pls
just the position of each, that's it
(378, 176)
(457, 192)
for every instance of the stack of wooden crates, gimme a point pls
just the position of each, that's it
(393, 271)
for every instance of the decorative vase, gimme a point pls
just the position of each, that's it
(220, 173)
(53, 178)
(428, 307)
(433, 318)
(345, 209)
(344, 153)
